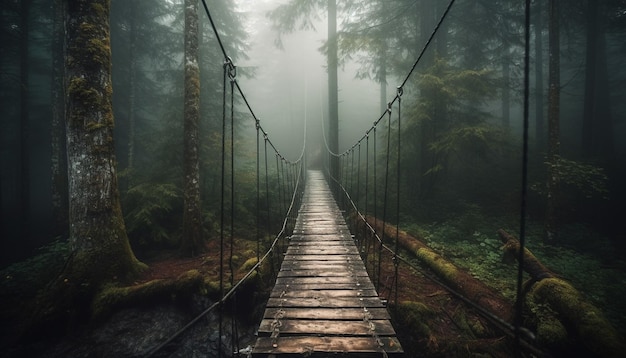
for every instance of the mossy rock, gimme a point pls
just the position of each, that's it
(412, 315)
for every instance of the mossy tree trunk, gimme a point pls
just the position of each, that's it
(100, 248)
(192, 242)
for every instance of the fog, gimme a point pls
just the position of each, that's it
(478, 146)
(290, 84)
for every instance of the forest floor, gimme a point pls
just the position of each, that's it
(430, 322)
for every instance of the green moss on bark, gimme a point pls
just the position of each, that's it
(591, 328)
(114, 297)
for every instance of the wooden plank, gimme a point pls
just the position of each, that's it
(344, 314)
(320, 273)
(327, 243)
(324, 286)
(327, 236)
(328, 327)
(322, 230)
(324, 257)
(310, 346)
(324, 293)
(338, 302)
(320, 280)
(320, 250)
(322, 265)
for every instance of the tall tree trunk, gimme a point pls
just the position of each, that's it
(57, 135)
(333, 88)
(382, 80)
(590, 78)
(101, 251)
(132, 86)
(552, 187)
(428, 128)
(597, 136)
(539, 116)
(192, 242)
(382, 63)
(506, 87)
(442, 34)
(24, 200)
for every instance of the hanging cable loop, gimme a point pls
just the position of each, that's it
(231, 69)
(400, 91)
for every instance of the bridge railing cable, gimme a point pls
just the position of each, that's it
(522, 337)
(287, 184)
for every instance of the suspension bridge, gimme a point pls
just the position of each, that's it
(323, 302)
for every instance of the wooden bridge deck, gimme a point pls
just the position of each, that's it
(323, 303)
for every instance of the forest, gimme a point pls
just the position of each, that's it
(151, 152)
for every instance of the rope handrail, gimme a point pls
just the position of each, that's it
(230, 74)
(399, 88)
(523, 338)
(244, 278)
(509, 329)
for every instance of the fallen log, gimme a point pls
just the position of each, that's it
(573, 310)
(531, 264)
(457, 279)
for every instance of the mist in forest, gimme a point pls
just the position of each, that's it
(441, 157)
(286, 84)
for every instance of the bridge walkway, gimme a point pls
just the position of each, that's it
(323, 302)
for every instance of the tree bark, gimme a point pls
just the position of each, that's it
(192, 242)
(506, 87)
(597, 128)
(132, 87)
(531, 264)
(58, 154)
(101, 251)
(25, 179)
(539, 115)
(333, 88)
(552, 182)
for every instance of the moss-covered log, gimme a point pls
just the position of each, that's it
(589, 324)
(575, 313)
(458, 279)
(531, 264)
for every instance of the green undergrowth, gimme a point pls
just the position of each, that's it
(582, 257)
(23, 279)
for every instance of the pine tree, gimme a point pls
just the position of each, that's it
(192, 242)
(101, 251)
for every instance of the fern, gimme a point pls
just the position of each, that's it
(149, 219)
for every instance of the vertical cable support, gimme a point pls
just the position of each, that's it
(396, 262)
(232, 73)
(382, 235)
(258, 191)
(221, 319)
(522, 238)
